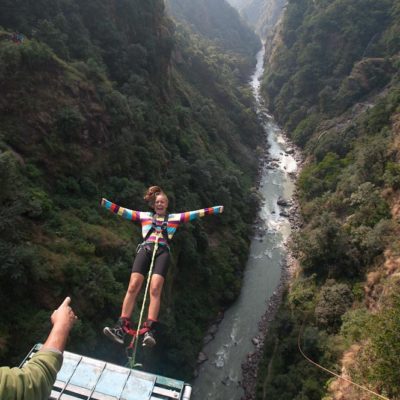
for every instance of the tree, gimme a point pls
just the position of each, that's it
(333, 301)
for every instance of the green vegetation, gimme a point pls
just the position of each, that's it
(221, 25)
(334, 85)
(260, 14)
(102, 100)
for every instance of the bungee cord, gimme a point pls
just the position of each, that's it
(333, 373)
(134, 342)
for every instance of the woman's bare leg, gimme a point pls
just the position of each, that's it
(156, 286)
(135, 284)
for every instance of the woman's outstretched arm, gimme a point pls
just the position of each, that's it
(192, 215)
(126, 213)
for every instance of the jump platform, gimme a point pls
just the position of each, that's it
(86, 378)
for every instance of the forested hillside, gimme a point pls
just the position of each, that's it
(332, 81)
(261, 14)
(221, 24)
(103, 98)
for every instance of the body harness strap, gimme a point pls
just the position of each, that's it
(164, 229)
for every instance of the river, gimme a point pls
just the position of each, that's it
(220, 376)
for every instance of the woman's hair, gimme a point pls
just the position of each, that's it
(151, 194)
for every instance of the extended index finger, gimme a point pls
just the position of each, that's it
(66, 302)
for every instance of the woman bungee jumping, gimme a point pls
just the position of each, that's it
(158, 228)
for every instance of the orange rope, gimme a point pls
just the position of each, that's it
(333, 373)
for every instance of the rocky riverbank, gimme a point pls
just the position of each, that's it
(290, 210)
(287, 209)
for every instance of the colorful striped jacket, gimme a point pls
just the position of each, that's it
(146, 219)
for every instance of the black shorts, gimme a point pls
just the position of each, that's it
(142, 261)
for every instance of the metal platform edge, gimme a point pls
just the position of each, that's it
(150, 386)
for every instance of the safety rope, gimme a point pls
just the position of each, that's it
(134, 341)
(333, 373)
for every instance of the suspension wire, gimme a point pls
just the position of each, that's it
(135, 339)
(333, 373)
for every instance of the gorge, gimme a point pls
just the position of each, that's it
(104, 98)
(239, 333)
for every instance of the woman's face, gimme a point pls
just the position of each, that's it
(161, 204)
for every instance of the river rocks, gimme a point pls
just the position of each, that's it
(271, 163)
(257, 341)
(219, 317)
(283, 203)
(290, 150)
(212, 330)
(259, 231)
(201, 358)
(207, 339)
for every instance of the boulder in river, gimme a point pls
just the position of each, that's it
(201, 358)
(283, 203)
(207, 339)
(212, 330)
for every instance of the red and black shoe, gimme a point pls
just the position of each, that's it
(148, 338)
(118, 333)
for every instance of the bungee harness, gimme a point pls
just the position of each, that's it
(164, 232)
(140, 331)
